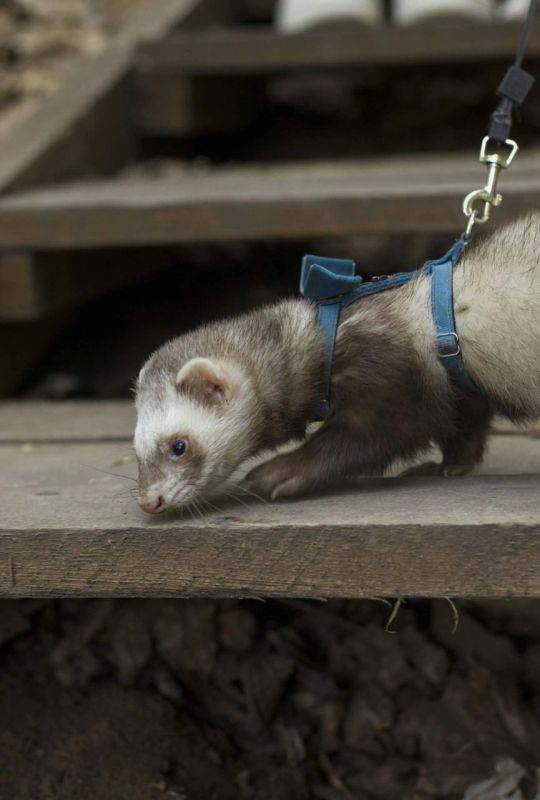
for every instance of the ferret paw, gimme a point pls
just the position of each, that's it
(432, 468)
(458, 470)
(427, 468)
(276, 478)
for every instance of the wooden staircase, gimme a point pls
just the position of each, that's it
(183, 67)
(253, 203)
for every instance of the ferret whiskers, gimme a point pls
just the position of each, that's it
(199, 512)
(123, 493)
(235, 497)
(210, 507)
(114, 474)
(250, 493)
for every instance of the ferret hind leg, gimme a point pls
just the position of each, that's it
(332, 452)
(463, 445)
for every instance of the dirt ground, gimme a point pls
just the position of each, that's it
(199, 700)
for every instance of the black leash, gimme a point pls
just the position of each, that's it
(514, 87)
(513, 90)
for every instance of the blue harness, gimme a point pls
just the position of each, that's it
(332, 285)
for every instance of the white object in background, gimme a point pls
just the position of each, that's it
(513, 9)
(298, 15)
(407, 12)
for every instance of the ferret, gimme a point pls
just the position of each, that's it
(211, 399)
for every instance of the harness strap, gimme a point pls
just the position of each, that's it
(329, 314)
(332, 285)
(326, 281)
(442, 308)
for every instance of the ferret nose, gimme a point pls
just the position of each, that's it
(154, 506)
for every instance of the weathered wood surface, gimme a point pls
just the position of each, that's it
(391, 195)
(70, 525)
(262, 50)
(85, 126)
(68, 529)
(24, 421)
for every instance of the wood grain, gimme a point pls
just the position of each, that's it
(69, 528)
(249, 561)
(23, 421)
(288, 201)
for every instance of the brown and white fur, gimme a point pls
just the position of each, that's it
(237, 387)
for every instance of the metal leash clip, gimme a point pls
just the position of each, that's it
(488, 195)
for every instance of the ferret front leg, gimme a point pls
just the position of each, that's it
(335, 450)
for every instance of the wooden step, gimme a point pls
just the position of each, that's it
(212, 79)
(420, 194)
(262, 50)
(70, 528)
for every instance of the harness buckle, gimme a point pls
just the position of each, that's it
(455, 338)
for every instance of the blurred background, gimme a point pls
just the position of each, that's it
(165, 162)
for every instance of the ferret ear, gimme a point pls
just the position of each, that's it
(207, 381)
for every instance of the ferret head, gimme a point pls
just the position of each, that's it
(193, 429)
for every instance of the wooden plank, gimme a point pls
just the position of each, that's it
(156, 20)
(261, 50)
(68, 529)
(84, 128)
(288, 201)
(31, 421)
(210, 79)
(81, 129)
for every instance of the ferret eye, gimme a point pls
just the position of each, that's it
(179, 448)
